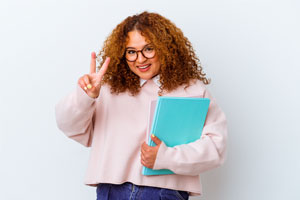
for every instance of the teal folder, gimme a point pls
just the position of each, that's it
(176, 121)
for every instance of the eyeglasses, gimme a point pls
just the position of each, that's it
(131, 55)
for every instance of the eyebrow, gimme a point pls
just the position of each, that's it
(135, 48)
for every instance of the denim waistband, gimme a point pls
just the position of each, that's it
(131, 191)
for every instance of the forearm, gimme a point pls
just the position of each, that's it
(190, 159)
(74, 115)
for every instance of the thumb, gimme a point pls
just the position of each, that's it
(155, 139)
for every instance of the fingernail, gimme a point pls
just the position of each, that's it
(85, 88)
(89, 86)
(152, 135)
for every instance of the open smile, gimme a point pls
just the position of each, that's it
(144, 68)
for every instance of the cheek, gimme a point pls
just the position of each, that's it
(157, 64)
(131, 66)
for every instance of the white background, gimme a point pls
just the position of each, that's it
(250, 50)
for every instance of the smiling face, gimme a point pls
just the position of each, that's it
(145, 68)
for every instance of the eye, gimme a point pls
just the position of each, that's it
(131, 51)
(149, 49)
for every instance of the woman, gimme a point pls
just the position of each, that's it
(145, 56)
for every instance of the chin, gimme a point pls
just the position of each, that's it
(146, 76)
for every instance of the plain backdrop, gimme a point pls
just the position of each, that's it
(249, 49)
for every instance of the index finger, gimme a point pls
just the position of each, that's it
(93, 63)
(145, 146)
(104, 66)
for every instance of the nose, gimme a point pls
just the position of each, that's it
(140, 57)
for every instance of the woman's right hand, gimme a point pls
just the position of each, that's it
(91, 83)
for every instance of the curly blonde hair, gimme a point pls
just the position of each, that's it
(178, 61)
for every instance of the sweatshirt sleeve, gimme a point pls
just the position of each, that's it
(74, 116)
(204, 154)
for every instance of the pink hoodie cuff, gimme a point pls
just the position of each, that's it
(83, 100)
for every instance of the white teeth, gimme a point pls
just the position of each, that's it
(144, 67)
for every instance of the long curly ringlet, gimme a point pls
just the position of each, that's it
(179, 64)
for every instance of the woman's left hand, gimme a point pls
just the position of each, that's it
(148, 153)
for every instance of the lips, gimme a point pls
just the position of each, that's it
(143, 68)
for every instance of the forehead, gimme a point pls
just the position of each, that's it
(136, 40)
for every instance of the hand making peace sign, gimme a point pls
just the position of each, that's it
(90, 83)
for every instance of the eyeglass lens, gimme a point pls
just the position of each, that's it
(132, 54)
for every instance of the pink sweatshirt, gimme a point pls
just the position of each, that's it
(114, 126)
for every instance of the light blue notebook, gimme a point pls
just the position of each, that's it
(176, 120)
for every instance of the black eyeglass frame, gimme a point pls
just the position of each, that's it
(137, 53)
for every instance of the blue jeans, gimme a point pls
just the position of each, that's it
(129, 191)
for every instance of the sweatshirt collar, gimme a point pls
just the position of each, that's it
(155, 79)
